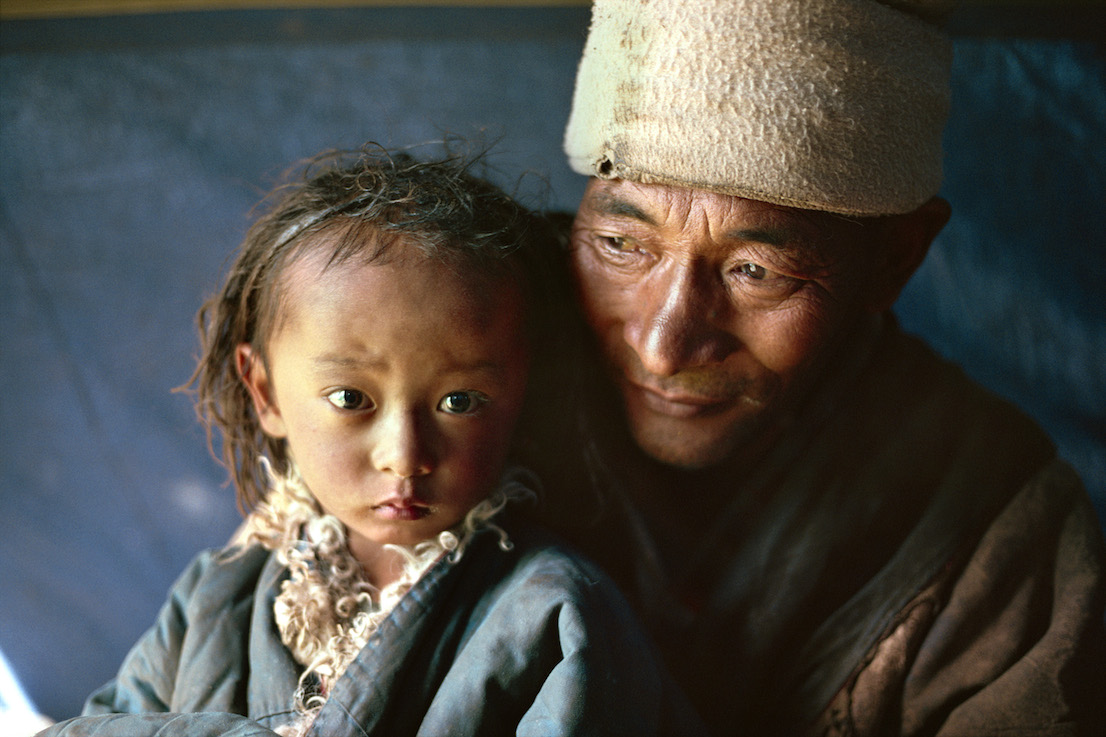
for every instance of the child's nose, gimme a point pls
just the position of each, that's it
(402, 445)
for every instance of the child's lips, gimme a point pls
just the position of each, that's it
(401, 509)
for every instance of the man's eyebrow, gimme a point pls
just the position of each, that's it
(618, 207)
(776, 237)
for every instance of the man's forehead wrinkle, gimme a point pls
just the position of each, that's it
(689, 216)
(727, 220)
(769, 236)
(608, 203)
(792, 230)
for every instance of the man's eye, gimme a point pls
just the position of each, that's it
(753, 271)
(350, 399)
(462, 403)
(615, 242)
(758, 281)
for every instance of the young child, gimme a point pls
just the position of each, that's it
(367, 363)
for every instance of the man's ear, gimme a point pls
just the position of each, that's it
(255, 376)
(904, 240)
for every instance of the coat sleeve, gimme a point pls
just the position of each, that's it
(146, 680)
(559, 653)
(607, 680)
(1015, 646)
(138, 701)
(204, 724)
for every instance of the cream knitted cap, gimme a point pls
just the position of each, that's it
(833, 105)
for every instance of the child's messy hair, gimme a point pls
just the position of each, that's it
(366, 199)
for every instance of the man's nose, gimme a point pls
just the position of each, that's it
(401, 444)
(677, 321)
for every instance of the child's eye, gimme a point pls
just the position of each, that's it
(462, 403)
(349, 399)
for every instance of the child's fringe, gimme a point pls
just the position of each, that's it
(325, 611)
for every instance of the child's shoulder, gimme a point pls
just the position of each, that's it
(542, 566)
(542, 596)
(217, 578)
(539, 548)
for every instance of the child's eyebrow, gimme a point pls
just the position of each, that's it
(331, 360)
(488, 367)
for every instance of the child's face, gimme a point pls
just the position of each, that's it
(396, 386)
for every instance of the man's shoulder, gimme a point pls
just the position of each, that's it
(914, 435)
(910, 397)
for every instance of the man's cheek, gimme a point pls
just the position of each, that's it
(794, 333)
(606, 306)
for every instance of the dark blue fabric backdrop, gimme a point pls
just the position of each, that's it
(132, 149)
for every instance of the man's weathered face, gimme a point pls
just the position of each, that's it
(713, 311)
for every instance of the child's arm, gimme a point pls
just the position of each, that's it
(203, 724)
(558, 651)
(608, 680)
(147, 678)
(184, 675)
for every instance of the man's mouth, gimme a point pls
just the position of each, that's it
(682, 405)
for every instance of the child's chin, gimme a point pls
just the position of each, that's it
(410, 534)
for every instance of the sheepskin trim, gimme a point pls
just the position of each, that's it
(326, 612)
(833, 105)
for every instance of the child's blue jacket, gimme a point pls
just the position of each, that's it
(533, 641)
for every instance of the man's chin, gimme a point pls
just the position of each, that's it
(684, 448)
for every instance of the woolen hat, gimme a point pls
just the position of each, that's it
(834, 105)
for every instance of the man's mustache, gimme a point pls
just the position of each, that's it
(702, 381)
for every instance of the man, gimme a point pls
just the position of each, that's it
(830, 530)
